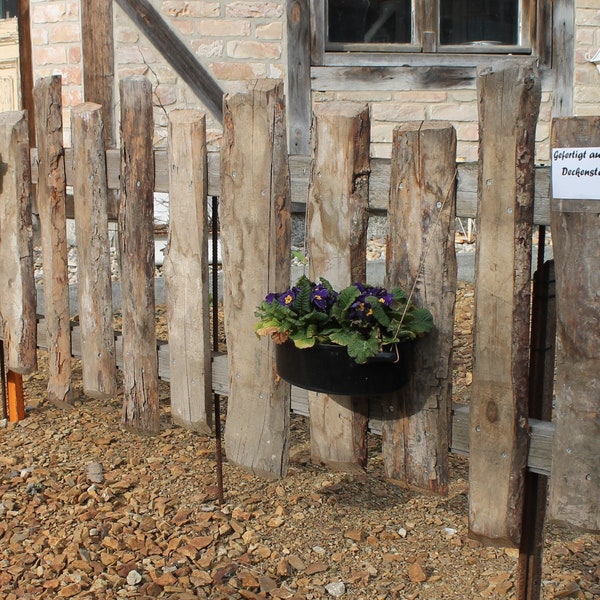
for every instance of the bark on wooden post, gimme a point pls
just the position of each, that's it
(255, 234)
(94, 290)
(575, 477)
(18, 297)
(51, 203)
(136, 243)
(421, 259)
(509, 98)
(186, 273)
(337, 229)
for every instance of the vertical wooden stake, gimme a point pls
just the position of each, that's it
(16, 400)
(256, 238)
(509, 98)
(94, 288)
(17, 300)
(421, 259)
(337, 229)
(186, 273)
(51, 202)
(575, 477)
(136, 242)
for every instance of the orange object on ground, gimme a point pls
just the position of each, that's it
(16, 401)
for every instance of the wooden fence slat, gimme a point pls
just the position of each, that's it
(51, 196)
(421, 253)
(18, 297)
(94, 289)
(186, 273)
(337, 228)
(575, 479)
(256, 238)
(136, 245)
(509, 97)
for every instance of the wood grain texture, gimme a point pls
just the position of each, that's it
(18, 298)
(255, 234)
(337, 227)
(94, 291)
(575, 479)
(136, 245)
(51, 194)
(186, 273)
(421, 259)
(509, 98)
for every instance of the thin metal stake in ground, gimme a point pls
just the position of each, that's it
(215, 306)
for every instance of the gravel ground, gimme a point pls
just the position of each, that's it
(91, 511)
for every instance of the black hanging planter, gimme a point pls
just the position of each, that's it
(328, 368)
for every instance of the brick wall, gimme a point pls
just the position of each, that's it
(587, 42)
(239, 40)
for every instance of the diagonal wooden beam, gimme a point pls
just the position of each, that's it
(176, 53)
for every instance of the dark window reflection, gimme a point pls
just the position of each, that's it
(479, 21)
(374, 21)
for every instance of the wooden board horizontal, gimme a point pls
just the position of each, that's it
(542, 432)
(379, 182)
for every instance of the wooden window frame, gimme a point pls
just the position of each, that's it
(536, 31)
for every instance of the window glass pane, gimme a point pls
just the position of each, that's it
(374, 21)
(479, 21)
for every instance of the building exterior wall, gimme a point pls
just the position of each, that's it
(239, 40)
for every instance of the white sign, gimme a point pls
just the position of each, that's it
(576, 173)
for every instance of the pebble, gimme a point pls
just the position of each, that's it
(336, 589)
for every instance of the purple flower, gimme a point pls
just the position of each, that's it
(322, 298)
(270, 298)
(288, 297)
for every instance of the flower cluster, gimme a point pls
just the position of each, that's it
(361, 317)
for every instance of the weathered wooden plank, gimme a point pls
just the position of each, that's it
(299, 93)
(575, 481)
(94, 291)
(136, 245)
(176, 53)
(539, 458)
(379, 182)
(51, 196)
(18, 297)
(255, 238)
(509, 98)
(186, 273)
(337, 227)
(421, 259)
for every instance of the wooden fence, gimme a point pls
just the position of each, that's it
(418, 424)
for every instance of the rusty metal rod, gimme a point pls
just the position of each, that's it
(215, 334)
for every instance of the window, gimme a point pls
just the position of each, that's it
(446, 26)
(8, 9)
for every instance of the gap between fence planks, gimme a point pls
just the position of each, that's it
(575, 479)
(51, 196)
(136, 242)
(509, 98)
(18, 297)
(94, 291)
(255, 237)
(421, 259)
(186, 274)
(337, 220)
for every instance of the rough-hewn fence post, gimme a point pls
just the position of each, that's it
(51, 196)
(136, 244)
(255, 234)
(421, 259)
(337, 229)
(575, 478)
(186, 273)
(17, 300)
(509, 98)
(94, 292)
